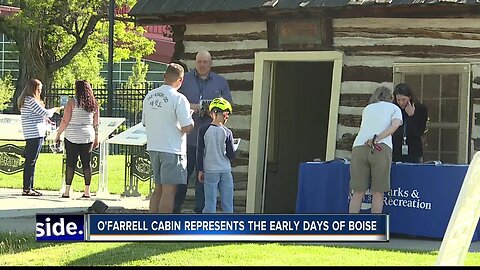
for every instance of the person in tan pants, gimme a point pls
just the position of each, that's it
(372, 150)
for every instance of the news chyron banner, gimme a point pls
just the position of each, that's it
(213, 227)
(65, 227)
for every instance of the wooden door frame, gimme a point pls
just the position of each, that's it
(262, 82)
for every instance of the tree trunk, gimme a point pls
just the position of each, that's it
(33, 64)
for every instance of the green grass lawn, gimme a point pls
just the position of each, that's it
(17, 250)
(48, 176)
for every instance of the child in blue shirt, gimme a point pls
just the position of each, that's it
(214, 153)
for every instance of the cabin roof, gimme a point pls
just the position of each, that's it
(185, 7)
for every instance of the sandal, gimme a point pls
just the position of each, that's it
(38, 192)
(31, 193)
(85, 196)
(65, 196)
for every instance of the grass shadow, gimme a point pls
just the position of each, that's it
(136, 251)
(374, 246)
(11, 243)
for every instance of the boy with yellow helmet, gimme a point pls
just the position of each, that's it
(215, 151)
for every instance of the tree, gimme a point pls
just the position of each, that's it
(87, 63)
(139, 75)
(6, 91)
(50, 34)
(137, 82)
(129, 96)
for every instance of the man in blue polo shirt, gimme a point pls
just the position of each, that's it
(200, 84)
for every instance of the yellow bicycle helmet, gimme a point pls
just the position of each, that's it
(221, 105)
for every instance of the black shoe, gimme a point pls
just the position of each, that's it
(31, 193)
(38, 192)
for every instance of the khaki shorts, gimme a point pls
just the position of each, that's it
(370, 170)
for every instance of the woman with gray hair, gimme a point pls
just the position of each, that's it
(372, 150)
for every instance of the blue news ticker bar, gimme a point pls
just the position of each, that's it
(213, 227)
(237, 224)
(63, 227)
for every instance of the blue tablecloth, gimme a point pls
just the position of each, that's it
(420, 202)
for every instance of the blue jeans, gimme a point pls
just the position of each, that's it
(223, 182)
(199, 195)
(182, 189)
(32, 149)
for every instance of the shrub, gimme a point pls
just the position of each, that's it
(6, 91)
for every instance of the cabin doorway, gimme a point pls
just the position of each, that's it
(294, 120)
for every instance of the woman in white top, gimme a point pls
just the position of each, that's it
(80, 123)
(372, 150)
(35, 119)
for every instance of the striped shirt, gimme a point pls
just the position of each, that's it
(34, 122)
(80, 128)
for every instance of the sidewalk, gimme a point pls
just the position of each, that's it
(17, 213)
(13, 204)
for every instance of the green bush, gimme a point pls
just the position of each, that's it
(6, 91)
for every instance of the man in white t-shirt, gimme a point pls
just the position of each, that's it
(372, 150)
(167, 120)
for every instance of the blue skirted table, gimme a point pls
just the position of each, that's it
(420, 202)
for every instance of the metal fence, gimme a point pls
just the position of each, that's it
(127, 103)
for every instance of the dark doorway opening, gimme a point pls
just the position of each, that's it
(297, 128)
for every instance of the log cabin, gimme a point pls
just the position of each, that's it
(301, 72)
